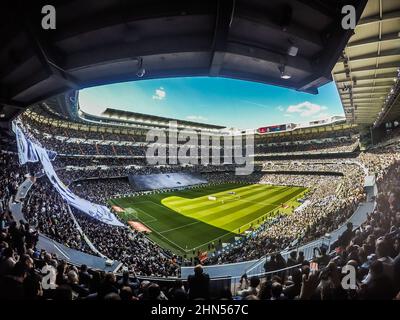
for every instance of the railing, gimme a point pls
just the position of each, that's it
(232, 283)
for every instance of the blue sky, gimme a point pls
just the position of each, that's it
(227, 102)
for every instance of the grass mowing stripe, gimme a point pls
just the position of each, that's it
(209, 204)
(182, 232)
(195, 193)
(256, 214)
(241, 209)
(226, 209)
(200, 198)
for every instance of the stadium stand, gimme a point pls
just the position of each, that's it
(346, 212)
(47, 213)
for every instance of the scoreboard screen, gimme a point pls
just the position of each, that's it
(276, 128)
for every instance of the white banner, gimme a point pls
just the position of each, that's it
(29, 151)
(26, 151)
(96, 211)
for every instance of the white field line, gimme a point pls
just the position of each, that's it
(184, 226)
(158, 233)
(243, 225)
(147, 214)
(206, 243)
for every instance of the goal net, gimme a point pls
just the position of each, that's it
(132, 213)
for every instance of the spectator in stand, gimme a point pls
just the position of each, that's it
(84, 276)
(321, 258)
(248, 288)
(199, 284)
(378, 286)
(292, 260)
(177, 292)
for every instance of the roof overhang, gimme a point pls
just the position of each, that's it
(367, 73)
(100, 42)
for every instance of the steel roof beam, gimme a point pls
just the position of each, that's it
(387, 16)
(375, 39)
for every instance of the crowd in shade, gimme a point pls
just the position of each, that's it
(48, 213)
(101, 190)
(81, 162)
(75, 174)
(10, 177)
(138, 253)
(334, 146)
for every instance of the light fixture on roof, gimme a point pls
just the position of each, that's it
(284, 74)
(140, 71)
(292, 50)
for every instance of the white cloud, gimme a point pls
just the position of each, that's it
(159, 94)
(196, 118)
(306, 109)
(280, 108)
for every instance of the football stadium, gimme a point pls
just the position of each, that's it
(191, 220)
(228, 150)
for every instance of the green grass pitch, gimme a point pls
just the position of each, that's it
(186, 220)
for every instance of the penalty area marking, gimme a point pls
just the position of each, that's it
(180, 227)
(147, 214)
(193, 223)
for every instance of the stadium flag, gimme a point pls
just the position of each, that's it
(96, 211)
(37, 152)
(26, 152)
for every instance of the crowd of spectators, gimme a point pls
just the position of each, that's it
(329, 204)
(333, 146)
(46, 211)
(139, 255)
(10, 177)
(310, 165)
(373, 249)
(70, 131)
(71, 141)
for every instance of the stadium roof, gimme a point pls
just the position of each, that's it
(98, 42)
(368, 69)
(140, 118)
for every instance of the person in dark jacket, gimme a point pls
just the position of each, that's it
(199, 284)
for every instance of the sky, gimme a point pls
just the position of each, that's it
(220, 101)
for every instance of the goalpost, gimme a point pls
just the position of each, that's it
(132, 212)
